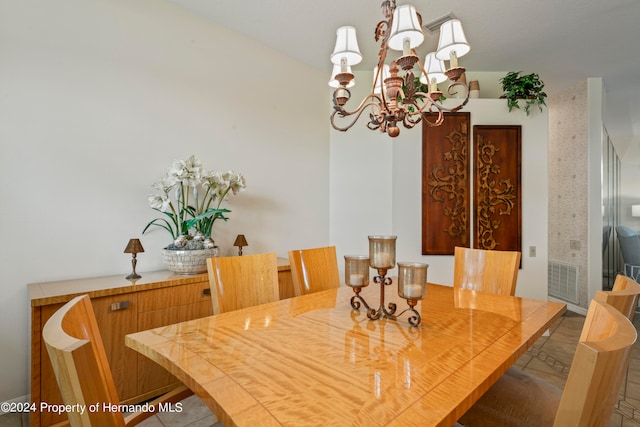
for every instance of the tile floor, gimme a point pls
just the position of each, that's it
(549, 358)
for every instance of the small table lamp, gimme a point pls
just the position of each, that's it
(240, 242)
(133, 247)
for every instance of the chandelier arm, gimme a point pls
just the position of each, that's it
(382, 56)
(421, 68)
(381, 99)
(462, 85)
(384, 47)
(372, 98)
(409, 123)
(407, 120)
(428, 102)
(439, 120)
(431, 103)
(375, 79)
(372, 126)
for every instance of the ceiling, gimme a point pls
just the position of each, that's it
(564, 41)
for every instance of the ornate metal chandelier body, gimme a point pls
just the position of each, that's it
(394, 98)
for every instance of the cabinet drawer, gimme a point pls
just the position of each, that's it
(173, 296)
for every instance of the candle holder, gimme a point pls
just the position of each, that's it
(412, 286)
(356, 275)
(382, 257)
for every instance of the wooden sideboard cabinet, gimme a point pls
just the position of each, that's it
(122, 307)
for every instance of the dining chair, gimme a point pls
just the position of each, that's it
(623, 296)
(486, 270)
(82, 370)
(243, 281)
(591, 389)
(314, 269)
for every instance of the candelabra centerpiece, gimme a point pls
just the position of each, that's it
(412, 279)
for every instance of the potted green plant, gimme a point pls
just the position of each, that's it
(527, 87)
(190, 200)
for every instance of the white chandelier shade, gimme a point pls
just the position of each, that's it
(435, 69)
(452, 40)
(405, 30)
(346, 49)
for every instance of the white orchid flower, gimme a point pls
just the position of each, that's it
(184, 180)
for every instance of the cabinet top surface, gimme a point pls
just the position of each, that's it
(51, 292)
(45, 293)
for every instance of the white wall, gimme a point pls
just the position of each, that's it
(376, 189)
(97, 98)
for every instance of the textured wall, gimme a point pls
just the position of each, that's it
(568, 173)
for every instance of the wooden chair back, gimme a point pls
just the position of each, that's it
(243, 281)
(623, 296)
(486, 270)
(80, 363)
(598, 368)
(314, 270)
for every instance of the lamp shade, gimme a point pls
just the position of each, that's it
(385, 74)
(240, 241)
(406, 25)
(452, 39)
(337, 70)
(346, 47)
(635, 210)
(434, 68)
(134, 247)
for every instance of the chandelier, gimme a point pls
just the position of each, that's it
(396, 96)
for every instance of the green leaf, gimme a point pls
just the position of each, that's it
(528, 87)
(162, 223)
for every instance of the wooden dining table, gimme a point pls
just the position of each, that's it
(315, 361)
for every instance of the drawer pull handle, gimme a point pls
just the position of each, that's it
(206, 292)
(119, 305)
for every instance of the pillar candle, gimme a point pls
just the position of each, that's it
(382, 259)
(356, 279)
(412, 291)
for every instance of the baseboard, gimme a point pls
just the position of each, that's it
(20, 399)
(571, 307)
